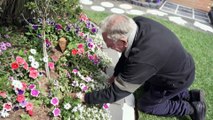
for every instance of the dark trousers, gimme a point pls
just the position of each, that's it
(164, 102)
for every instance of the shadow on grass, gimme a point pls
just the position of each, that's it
(183, 118)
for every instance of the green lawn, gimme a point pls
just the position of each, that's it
(200, 45)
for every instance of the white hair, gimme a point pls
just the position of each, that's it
(117, 26)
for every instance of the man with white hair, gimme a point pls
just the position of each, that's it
(152, 57)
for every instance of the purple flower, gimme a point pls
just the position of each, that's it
(10, 78)
(6, 36)
(54, 101)
(34, 93)
(8, 44)
(40, 20)
(56, 112)
(88, 79)
(88, 24)
(20, 92)
(3, 47)
(91, 57)
(35, 27)
(48, 43)
(32, 86)
(58, 27)
(84, 88)
(23, 104)
(39, 35)
(94, 30)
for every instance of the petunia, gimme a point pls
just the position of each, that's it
(8, 44)
(94, 30)
(74, 52)
(3, 94)
(51, 65)
(33, 74)
(30, 112)
(45, 59)
(75, 83)
(80, 46)
(23, 104)
(20, 60)
(88, 79)
(106, 106)
(20, 92)
(34, 93)
(56, 112)
(75, 71)
(20, 98)
(54, 101)
(25, 66)
(32, 86)
(31, 58)
(67, 106)
(35, 64)
(29, 106)
(17, 84)
(58, 27)
(84, 88)
(7, 106)
(4, 113)
(14, 65)
(33, 51)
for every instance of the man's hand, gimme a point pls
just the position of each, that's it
(111, 79)
(78, 95)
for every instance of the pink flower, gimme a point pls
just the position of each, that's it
(33, 74)
(31, 68)
(3, 94)
(7, 106)
(84, 88)
(54, 101)
(51, 65)
(56, 112)
(20, 60)
(106, 105)
(29, 106)
(25, 66)
(34, 93)
(75, 71)
(24, 86)
(80, 46)
(20, 98)
(32, 86)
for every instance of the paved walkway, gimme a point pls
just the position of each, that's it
(123, 7)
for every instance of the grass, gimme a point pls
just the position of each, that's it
(200, 45)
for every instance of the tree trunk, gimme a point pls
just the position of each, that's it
(11, 11)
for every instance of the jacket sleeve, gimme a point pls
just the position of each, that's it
(108, 95)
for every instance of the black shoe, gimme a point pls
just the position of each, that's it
(199, 111)
(196, 95)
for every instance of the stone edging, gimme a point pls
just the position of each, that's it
(147, 4)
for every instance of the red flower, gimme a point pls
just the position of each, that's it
(30, 112)
(80, 46)
(14, 66)
(74, 52)
(20, 98)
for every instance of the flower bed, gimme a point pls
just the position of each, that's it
(75, 62)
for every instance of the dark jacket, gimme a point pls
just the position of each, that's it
(156, 56)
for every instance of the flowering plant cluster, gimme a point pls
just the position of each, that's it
(78, 69)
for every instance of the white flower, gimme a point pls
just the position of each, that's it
(75, 109)
(4, 114)
(35, 64)
(17, 84)
(45, 59)
(33, 51)
(31, 58)
(67, 106)
(75, 83)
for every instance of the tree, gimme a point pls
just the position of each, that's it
(11, 11)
